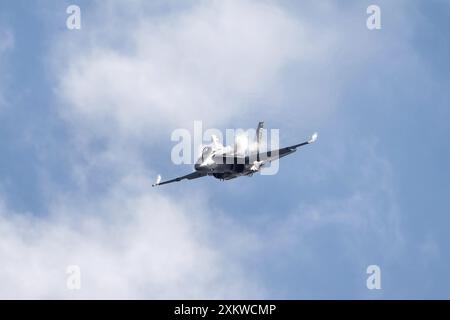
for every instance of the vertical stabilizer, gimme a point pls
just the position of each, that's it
(258, 137)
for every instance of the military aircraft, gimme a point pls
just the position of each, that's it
(217, 160)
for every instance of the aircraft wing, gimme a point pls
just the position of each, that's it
(193, 175)
(277, 154)
(265, 156)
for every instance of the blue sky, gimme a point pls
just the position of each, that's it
(85, 124)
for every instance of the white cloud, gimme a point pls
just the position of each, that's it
(130, 243)
(207, 62)
(214, 61)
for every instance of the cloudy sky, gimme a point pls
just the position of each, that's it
(85, 123)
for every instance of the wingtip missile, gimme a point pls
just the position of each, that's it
(158, 181)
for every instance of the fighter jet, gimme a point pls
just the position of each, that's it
(217, 160)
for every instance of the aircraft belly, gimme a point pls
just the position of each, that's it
(223, 168)
(238, 169)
